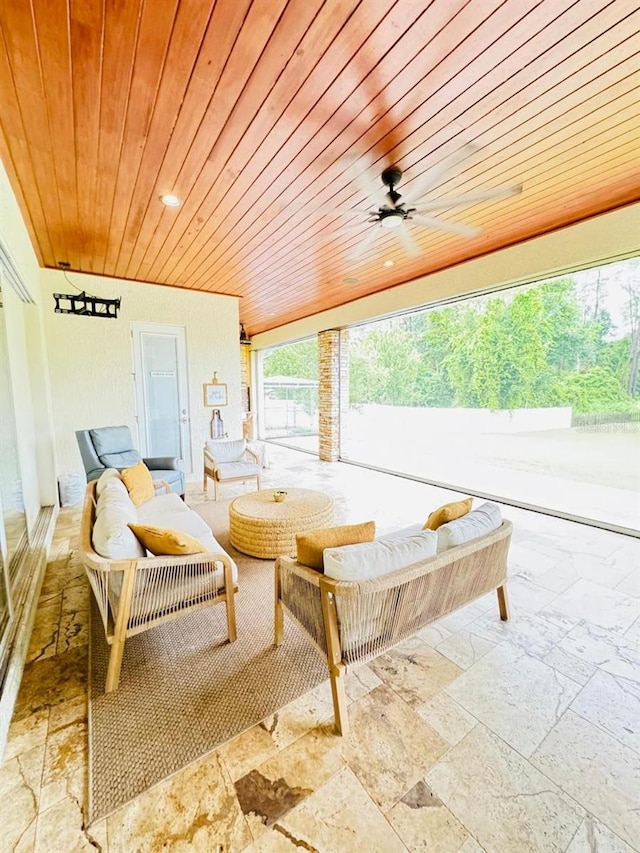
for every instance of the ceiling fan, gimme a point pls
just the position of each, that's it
(394, 212)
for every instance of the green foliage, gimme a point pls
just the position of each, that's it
(544, 345)
(536, 347)
(299, 360)
(595, 390)
(615, 356)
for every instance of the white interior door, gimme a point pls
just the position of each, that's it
(162, 391)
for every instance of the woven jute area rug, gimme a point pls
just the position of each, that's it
(184, 690)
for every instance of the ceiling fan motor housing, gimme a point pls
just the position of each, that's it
(391, 177)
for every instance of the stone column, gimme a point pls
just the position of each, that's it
(329, 394)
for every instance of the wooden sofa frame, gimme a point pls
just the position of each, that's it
(130, 593)
(354, 621)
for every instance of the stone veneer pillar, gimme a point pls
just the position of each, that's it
(333, 373)
(244, 377)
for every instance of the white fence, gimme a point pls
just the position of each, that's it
(474, 421)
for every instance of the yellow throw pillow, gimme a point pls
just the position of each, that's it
(448, 512)
(161, 541)
(311, 544)
(139, 483)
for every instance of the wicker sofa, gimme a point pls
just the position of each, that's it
(354, 621)
(135, 592)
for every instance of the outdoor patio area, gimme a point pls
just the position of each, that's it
(588, 471)
(475, 735)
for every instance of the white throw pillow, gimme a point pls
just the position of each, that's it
(115, 494)
(386, 554)
(112, 538)
(226, 451)
(478, 522)
(107, 475)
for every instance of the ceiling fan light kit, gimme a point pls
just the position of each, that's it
(395, 214)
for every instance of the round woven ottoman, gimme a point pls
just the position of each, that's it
(261, 527)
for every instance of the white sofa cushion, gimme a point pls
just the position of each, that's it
(115, 494)
(478, 522)
(226, 451)
(107, 475)
(229, 470)
(162, 504)
(111, 538)
(380, 557)
(186, 522)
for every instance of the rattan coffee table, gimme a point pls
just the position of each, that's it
(261, 527)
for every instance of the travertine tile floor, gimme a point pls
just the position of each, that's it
(474, 735)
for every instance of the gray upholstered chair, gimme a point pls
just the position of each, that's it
(112, 447)
(229, 460)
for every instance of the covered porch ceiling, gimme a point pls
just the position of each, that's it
(264, 116)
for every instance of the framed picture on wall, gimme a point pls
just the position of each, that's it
(215, 394)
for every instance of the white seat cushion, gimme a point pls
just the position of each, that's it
(384, 555)
(229, 470)
(478, 522)
(160, 505)
(111, 538)
(186, 522)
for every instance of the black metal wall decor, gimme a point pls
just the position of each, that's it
(86, 306)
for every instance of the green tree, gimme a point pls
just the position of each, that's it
(298, 360)
(594, 390)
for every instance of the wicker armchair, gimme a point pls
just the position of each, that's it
(225, 461)
(353, 621)
(136, 595)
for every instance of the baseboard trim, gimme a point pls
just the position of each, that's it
(35, 561)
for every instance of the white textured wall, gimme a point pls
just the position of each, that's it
(27, 361)
(90, 358)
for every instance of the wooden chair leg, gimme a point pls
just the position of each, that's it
(204, 483)
(337, 668)
(230, 602)
(215, 489)
(278, 622)
(120, 628)
(115, 663)
(503, 602)
(338, 694)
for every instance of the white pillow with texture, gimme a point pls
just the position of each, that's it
(112, 538)
(226, 451)
(115, 494)
(478, 522)
(107, 475)
(380, 557)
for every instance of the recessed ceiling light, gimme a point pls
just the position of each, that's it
(389, 263)
(350, 280)
(170, 200)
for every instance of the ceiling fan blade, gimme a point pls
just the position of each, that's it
(345, 231)
(367, 183)
(442, 225)
(469, 198)
(408, 243)
(363, 245)
(434, 173)
(341, 210)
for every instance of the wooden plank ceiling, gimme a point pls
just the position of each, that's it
(261, 115)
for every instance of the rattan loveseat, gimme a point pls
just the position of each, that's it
(134, 595)
(354, 621)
